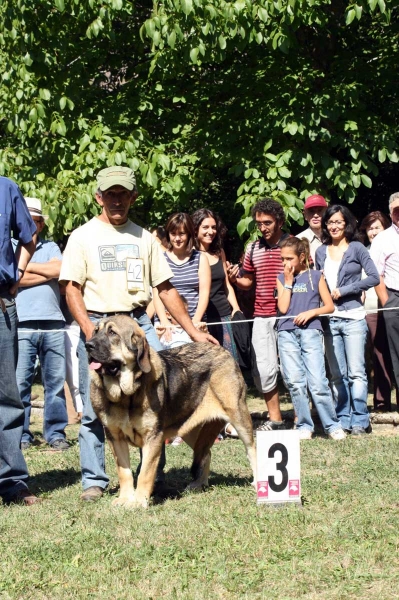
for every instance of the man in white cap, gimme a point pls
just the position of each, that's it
(40, 333)
(109, 266)
(313, 211)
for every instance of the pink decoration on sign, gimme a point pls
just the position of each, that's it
(293, 487)
(263, 489)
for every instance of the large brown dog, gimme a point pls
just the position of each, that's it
(143, 397)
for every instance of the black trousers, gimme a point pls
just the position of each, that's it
(391, 318)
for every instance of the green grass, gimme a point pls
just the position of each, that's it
(343, 542)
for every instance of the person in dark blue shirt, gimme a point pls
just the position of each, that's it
(15, 221)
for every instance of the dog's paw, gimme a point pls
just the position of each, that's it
(130, 502)
(197, 486)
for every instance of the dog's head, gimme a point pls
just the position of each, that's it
(119, 353)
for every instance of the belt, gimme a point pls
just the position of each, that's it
(135, 313)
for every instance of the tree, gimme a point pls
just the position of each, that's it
(204, 99)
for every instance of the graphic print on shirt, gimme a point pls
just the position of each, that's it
(113, 258)
(300, 288)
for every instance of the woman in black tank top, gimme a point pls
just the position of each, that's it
(209, 231)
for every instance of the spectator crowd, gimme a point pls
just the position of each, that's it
(302, 307)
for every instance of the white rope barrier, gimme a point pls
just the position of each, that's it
(362, 311)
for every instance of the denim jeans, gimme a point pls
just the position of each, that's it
(91, 434)
(345, 341)
(302, 366)
(13, 470)
(50, 348)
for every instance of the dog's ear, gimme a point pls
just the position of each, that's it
(143, 353)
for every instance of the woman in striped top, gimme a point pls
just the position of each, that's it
(191, 271)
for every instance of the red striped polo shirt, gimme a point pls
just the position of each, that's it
(265, 264)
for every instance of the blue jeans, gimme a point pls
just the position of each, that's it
(302, 366)
(345, 341)
(13, 470)
(50, 348)
(91, 434)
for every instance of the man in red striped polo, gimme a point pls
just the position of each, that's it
(262, 264)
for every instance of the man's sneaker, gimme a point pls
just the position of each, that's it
(25, 445)
(337, 434)
(305, 434)
(60, 445)
(272, 426)
(177, 441)
(357, 430)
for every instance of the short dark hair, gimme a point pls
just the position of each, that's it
(180, 219)
(269, 207)
(217, 243)
(351, 233)
(369, 219)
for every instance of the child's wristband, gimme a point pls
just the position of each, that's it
(288, 287)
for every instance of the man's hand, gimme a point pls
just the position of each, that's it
(88, 331)
(200, 336)
(335, 294)
(232, 271)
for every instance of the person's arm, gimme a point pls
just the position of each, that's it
(50, 269)
(31, 279)
(171, 299)
(150, 310)
(164, 324)
(244, 282)
(284, 291)
(360, 285)
(204, 276)
(381, 291)
(23, 255)
(38, 273)
(231, 296)
(78, 309)
(328, 307)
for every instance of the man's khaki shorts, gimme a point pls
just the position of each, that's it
(264, 342)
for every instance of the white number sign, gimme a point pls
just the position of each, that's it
(278, 467)
(135, 274)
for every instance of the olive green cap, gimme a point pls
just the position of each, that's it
(116, 176)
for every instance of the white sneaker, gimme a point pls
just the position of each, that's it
(177, 441)
(338, 434)
(305, 434)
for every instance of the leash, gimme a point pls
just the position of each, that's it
(330, 315)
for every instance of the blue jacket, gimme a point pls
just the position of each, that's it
(14, 220)
(350, 283)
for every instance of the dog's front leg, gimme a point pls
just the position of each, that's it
(151, 450)
(120, 450)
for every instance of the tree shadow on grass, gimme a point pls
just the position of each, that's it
(48, 481)
(177, 480)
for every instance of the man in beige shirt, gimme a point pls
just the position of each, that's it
(109, 266)
(314, 209)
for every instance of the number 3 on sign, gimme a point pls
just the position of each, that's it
(279, 467)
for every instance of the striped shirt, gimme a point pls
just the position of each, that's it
(265, 263)
(186, 280)
(384, 251)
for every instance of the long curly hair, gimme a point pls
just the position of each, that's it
(217, 243)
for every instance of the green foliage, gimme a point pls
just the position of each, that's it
(259, 97)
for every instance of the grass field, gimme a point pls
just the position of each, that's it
(343, 542)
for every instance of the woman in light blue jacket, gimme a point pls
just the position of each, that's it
(342, 258)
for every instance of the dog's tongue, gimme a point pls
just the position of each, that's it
(95, 365)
